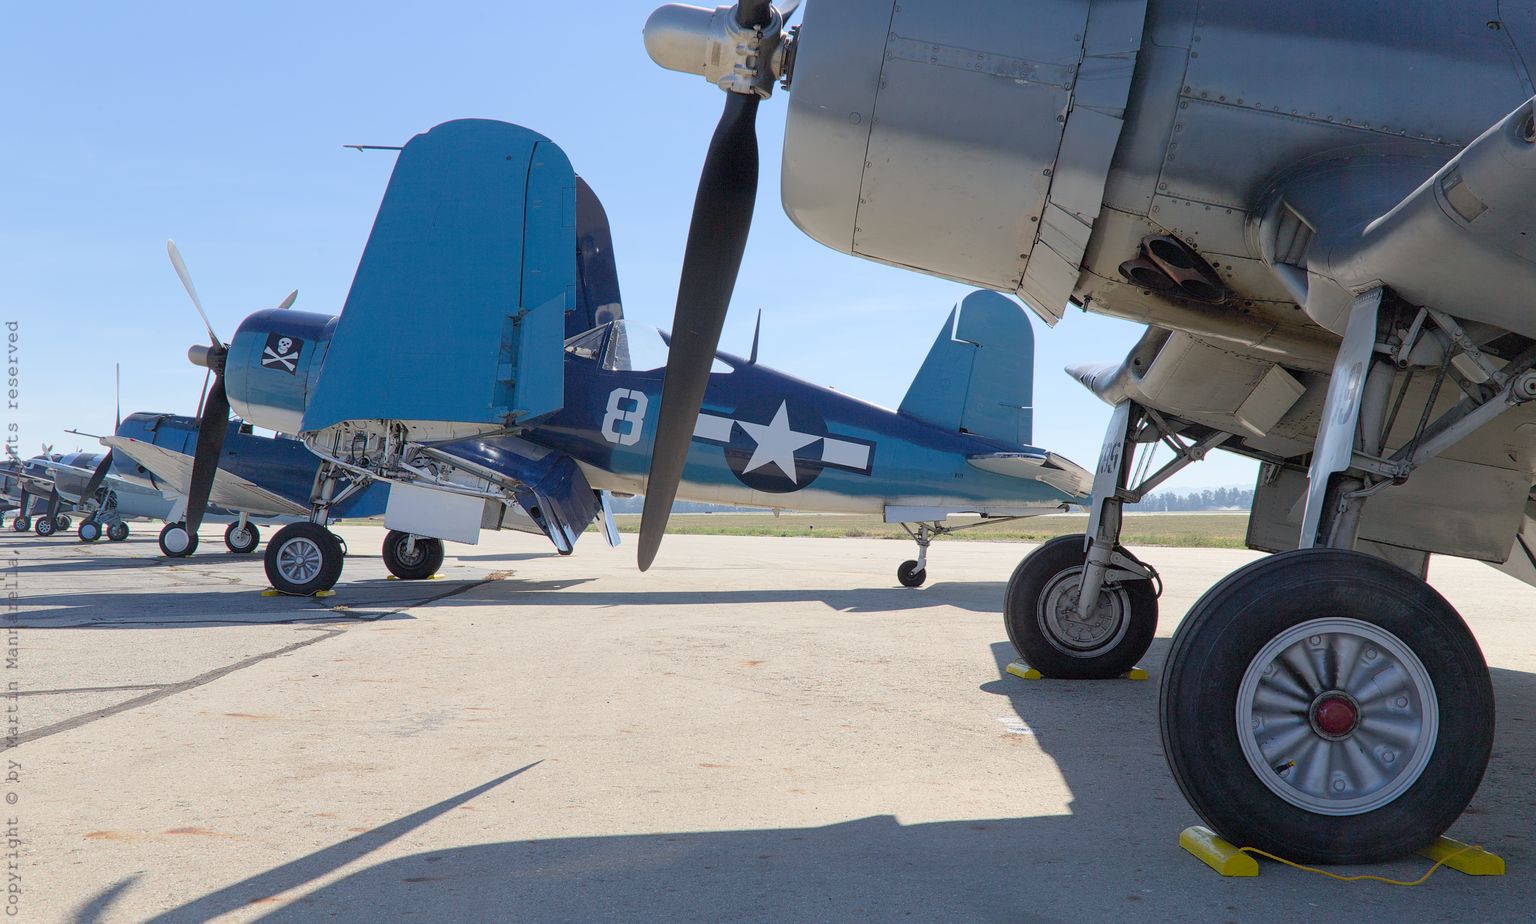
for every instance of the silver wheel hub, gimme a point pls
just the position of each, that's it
(411, 552)
(240, 536)
(1068, 631)
(299, 560)
(1337, 716)
(177, 540)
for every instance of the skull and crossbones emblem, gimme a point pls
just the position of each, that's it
(282, 352)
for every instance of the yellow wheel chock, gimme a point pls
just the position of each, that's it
(1024, 672)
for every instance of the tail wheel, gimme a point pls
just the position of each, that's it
(1326, 706)
(303, 559)
(117, 532)
(46, 525)
(89, 531)
(412, 558)
(242, 540)
(176, 541)
(1040, 614)
(910, 575)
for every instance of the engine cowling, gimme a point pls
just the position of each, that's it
(970, 139)
(273, 363)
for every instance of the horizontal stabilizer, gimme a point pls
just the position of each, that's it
(470, 268)
(979, 374)
(1047, 467)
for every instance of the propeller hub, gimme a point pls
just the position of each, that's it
(209, 357)
(714, 45)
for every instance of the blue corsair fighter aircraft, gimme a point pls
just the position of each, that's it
(258, 476)
(482, 369)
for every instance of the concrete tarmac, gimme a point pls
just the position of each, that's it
(756, 730)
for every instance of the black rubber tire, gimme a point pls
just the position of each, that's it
(46, 526)
(1230, 625)
(1024, 617)
(21, 524)
(176, 550)
(252, 538)
(117, 532)
(89, 531)
(426, 560)
(63, 523)
(910, 575)
(322, 541)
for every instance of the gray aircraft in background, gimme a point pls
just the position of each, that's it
(1323, 212)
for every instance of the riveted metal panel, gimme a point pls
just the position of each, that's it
(971, 105)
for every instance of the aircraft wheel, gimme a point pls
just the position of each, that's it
(89, 531)
(1327, 707)
(242, 540)
(910, 575)
(46, 525)
(419, 563)
(1040, 614)
(21, 524)
(117, 532)
(63, 523)
(303, 559)
(176, 541)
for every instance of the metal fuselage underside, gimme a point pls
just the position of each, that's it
(1033, 147)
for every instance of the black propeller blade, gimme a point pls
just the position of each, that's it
(212, 424)
(97, 477)
(213, 410)
(717, 237)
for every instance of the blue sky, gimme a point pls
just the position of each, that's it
(222, 125)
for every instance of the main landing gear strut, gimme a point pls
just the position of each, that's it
(306, 558)
(1082, 607)
(1321, 704)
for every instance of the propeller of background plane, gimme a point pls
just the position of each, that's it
(100, 474)
(717, 233)
(213, 406)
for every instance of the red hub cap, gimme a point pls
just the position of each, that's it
(1335, 716)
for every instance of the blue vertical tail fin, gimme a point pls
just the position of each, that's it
(979, 375)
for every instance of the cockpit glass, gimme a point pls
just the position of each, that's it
(635, 348)
(640, 348)
(588, 345)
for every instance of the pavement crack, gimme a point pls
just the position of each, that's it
(116, 689)
(167, 690)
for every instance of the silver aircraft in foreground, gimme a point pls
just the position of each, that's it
(1325, 214)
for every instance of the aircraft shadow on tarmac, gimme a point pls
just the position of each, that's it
(1114, 854)
(975, 596)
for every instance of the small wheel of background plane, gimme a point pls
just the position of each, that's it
(21, 524)
(242, 540)
(1328, 707)
(89, 531)
(176, 541)
(1040, 614)
(421, 561)
(303, 559)
(63, 523)
(910, 575)
(117, 532)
